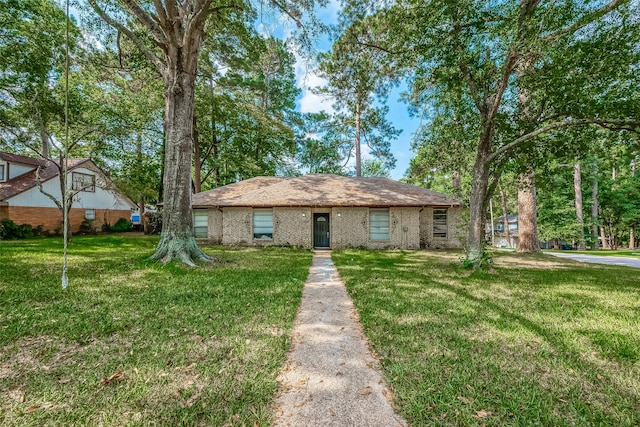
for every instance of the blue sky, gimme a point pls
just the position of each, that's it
(398, 113)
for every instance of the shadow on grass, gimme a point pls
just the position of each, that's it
(531, 345)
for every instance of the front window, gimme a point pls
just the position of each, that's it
(2, 173)
(379, 224)
(200, 223)
(262, 224)
(90, 214)
(440, 223)
(83, 182)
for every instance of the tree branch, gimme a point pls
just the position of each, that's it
(145, 18)
(631, 125)
(586, 20)
(161, 14)
(143, 48)
(466, 73)
(294, 14)
(503, 83)
(42, 190)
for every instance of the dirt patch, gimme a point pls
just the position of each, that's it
(527, 261)
(29, 354)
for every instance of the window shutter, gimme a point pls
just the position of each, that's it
(440, 223)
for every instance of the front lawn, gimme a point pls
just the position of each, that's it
(537, 341)
(137, 343)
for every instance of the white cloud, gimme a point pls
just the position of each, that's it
(306, 79)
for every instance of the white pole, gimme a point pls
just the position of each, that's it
(65, 190)
(493, 234)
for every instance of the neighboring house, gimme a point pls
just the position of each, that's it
(500, 237)
(328, 211)
(22, 201)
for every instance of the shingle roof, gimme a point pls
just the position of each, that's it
(26, 181)
(318, 190)
(16, 158)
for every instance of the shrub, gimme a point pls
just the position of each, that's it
(122, 224)
(10, 230)
(87, 227)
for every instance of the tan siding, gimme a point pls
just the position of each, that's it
(215, 231)
(237, 226)
(292, 226)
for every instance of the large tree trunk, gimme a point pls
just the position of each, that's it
(632, 229)
(505, 216)
(358, 153)
(603, 237)
(456, 183)
(594, 208)
(577, 185)
(44, 141)
(527, 214)
(478, 202)
(527, 210)
(177, 240)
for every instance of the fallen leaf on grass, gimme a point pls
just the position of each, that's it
(191, 400)
(33, 408)
(115, 377)
(600, 377)
(333, 414)
(299, 404)
(467, 400)
(482, 414)
(280, 411)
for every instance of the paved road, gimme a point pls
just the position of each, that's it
(614, 260)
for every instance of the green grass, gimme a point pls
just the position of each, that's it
(604, 252)
(197, 346)
(536, 341)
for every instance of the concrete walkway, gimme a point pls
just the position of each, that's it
(331, 378)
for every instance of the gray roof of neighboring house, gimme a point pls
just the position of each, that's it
(318, 190)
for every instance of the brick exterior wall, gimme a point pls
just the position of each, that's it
(51, 218)
(292, 226)
(350, 228)
(214, 231)
(237, 226)
(409, 228)
(455, 230)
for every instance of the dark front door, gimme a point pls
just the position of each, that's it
(321, 230)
